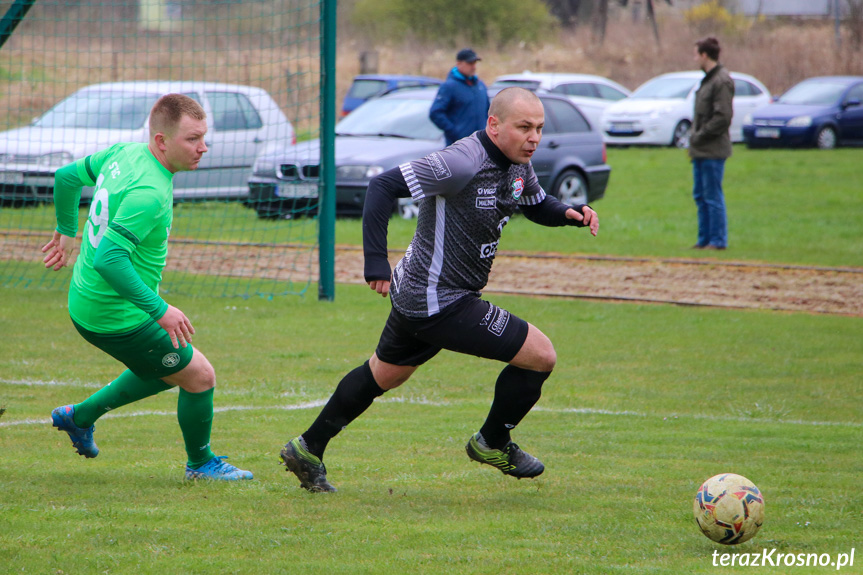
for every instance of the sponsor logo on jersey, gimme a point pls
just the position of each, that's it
(496, 319)
(486, 203)
(486, 191)
(170, 359)
(488, 250)
(438, 166)
(517, 188)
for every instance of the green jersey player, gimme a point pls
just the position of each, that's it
(114, 298)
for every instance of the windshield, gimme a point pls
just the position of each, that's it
(665, 88)
(393, 117)
(99, 110)
(529, 84)
(813, 93)
(365, 89)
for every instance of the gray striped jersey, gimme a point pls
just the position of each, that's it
(465, 199)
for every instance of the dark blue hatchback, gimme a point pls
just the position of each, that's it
(368, 86)
(824, 112)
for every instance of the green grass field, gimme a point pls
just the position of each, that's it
(645, 404)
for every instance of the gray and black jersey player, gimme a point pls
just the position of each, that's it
(466, 195)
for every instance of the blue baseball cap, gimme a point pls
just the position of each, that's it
(467, 55)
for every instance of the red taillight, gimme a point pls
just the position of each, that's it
(294, 142)
(604, 155)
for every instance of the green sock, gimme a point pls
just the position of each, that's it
(122, 391)
(195, 414)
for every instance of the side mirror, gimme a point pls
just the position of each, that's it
(850, 103)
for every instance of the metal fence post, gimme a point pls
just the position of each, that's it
(327, 208)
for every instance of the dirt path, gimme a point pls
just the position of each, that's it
(725, 284)
(689, 282)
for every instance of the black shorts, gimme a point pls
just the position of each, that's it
(470, 325)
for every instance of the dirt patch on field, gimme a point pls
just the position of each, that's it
(737, 285)
(685, 282)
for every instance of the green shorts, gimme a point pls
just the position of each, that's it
(146, 350)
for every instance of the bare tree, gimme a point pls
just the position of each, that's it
(566, 11)
(602, 17)
(855, 23)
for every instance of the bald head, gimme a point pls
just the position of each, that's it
(515, 121)
(508, 99)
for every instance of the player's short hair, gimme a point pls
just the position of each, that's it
(502, 103)
(169, 109)
(709, 46)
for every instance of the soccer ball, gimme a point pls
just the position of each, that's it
(729, 509)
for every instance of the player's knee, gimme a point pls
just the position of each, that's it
(389, 376)
(204, 377)
(208, 377)
(391, 379)
(547, 358)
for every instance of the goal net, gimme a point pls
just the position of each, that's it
(77, 76)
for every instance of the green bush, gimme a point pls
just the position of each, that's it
(450, 21)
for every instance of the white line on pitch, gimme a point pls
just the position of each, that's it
(32, 382)
(591, 411)
(424, 401)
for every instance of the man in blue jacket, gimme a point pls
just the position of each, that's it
(461, 105)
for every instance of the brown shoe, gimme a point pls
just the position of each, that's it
(697, 247)
(712, 247)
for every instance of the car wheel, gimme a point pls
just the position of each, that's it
(570, 188)
(826, 138)
(680, 137)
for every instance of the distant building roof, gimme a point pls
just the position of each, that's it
(808, 8)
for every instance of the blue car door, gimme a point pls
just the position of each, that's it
(851, 122)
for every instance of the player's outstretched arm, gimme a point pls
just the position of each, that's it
(58, 251)
(552, 212)
(384, 190)
(588, 218)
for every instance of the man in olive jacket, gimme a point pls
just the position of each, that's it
(710, 145)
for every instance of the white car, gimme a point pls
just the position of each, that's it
(660, 111)
(240, 120)
(592, 94)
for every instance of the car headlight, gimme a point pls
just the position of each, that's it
(55, 160)
(800, 122)
(358, 172)
(747, 120)
(264, 166)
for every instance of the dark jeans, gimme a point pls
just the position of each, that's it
(707, 192)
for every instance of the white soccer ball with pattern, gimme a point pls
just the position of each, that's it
(729, 508)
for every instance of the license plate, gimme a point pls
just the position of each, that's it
(11, 178)
(298, 190)
(623, 127)
(766, 132)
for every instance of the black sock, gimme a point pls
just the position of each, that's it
(354, 394)
(517, 390)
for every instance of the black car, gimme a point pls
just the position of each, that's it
(383, 133)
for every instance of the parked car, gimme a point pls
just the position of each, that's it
(592, 94)
(240, 120)
(659, 112)
(388, 131)
(823, 112)
(368, 86)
